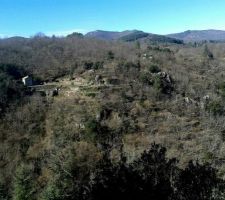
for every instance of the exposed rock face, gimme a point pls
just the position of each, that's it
(97, 78)
(166, 82)
(165, 76)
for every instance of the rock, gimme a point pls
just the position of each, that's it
(165, 76)
(98, 79)
(205, 101)
(52, 93)
(206, 98)
(55, 92)
(91, 71)
(162, 74)
(166, 82)
(105, 81)
(188, 100)
(98, 117)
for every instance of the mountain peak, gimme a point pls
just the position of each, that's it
(109, 35)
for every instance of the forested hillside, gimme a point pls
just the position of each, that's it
(130, 120)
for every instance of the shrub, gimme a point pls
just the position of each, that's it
(154, 69)
(23, 184)
(88, 65)
(110, 55)
(158, 84)
(93, 65)
(91, 94)
(3, 191)
(221, 89)
(163, 85)
(92, 129)
(52, 192)
(10, 89)
(146, 78)
(215, 107)
(207, 53)
(201, 180)
(98, 65)
(153, 176)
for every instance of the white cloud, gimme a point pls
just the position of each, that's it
(2, 35)
(65, 32)
(5, 36)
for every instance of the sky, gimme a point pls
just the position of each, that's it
(61, 17)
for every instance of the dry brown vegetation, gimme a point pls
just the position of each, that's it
(110, 100)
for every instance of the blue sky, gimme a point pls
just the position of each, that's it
(60, 17)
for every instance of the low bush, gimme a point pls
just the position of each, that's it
(215, 107)
(154, 69)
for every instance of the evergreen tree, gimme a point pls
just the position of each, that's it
(3, 192)
(23, 184)
(207, 53)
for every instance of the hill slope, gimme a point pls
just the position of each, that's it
(129, 36)
(108, 35)
(195, 35)
(106, 102)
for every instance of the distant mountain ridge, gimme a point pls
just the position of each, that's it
(109, 35)
(130, 35)
(134, 35)
(186, 36)
(199, 35)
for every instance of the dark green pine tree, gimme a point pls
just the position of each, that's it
(23, 184)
